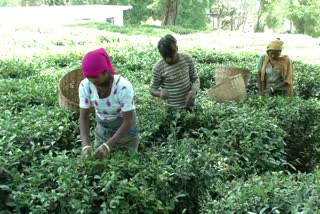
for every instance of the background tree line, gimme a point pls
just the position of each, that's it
(303, 15)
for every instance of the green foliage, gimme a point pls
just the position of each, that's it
(271, 193)
(9, 3)
(22, 93)
(299, 119)
(120, 184)
(305, 17)
(5, 190)
(244, 137)
(183, 30)
(145, 30)
(271, 14)
(136, 62)
(17, 68)
(50, 129)
(196, 166)
(307, 79)
(139, 12)
(192, 14)
(303, 14)
(276, 14)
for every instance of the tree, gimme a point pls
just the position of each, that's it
(244, 11)
(305, 16)
(171, 12)
(263, 5)
(139, 12)
(271, 14)
(9, 3)
(193, 14)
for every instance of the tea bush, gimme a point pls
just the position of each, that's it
(243, 135)
(274, 192)
(39, 128)
(17, 94)
(307, 79)
(299, 118)
(17, 68)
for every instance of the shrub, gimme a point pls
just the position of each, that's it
(307, 80)
(17, 68)
(300, 120)
(274, 192)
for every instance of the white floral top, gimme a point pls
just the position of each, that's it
(109, 108)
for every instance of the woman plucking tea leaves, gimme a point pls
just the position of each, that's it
(275, 71)
(113, 99)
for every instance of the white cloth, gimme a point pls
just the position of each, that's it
(109, 108)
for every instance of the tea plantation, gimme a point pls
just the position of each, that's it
(260, 155)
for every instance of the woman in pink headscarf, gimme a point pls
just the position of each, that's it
(112, 97)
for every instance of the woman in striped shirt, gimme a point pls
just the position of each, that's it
(174, 77)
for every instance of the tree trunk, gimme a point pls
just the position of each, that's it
(257, 27)
(219, 22)
(171, 12)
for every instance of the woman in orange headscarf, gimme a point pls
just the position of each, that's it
(275, 71)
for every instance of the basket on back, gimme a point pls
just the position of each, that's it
(223, 73)
(69, 90)
(231, 88)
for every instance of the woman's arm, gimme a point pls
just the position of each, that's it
(276, 87)
(84, 127)
(123, 129)
(105, 148)
(259, 82)
(259, 67)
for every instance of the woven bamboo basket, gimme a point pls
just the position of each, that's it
(225, 72)
(231, 88)
(69, 90)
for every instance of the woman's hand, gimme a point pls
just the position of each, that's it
(85, 151)
(84, 132)
(102, 151)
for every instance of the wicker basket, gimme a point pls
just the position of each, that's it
(224, 72)
(232, 88)
(69, 90)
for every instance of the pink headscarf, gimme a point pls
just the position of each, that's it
(96, 62)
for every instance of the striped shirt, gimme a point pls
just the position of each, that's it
(178, 79)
